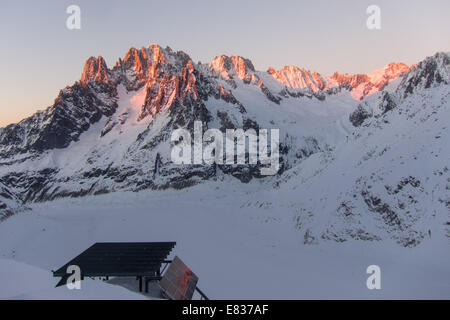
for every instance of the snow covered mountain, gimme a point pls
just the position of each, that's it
(392, 174)
(366, 151)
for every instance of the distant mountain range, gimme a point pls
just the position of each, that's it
(381, 138)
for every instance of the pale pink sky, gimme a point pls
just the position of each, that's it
(40, 55)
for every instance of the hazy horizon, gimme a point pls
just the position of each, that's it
(41, 56)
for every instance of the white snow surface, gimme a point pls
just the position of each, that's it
(377, 194)
(239, 247)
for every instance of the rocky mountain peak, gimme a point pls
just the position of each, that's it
(271, 70)
(139, 64)
(95, 69)
(395, 69)
(104, 147)
(227, 67)
(299, 78)
(166, 75)
(433, 71)
(354, 80)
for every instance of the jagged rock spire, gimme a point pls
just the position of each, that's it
(96, 70)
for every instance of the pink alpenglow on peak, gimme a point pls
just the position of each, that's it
(227, 67)
(294, 77)
(360, 84)
(95, 69)
(164, 74)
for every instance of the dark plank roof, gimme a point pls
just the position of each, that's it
(120, 259)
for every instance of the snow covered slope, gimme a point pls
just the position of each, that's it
(391, 178)
(21, 281)
(111, 131)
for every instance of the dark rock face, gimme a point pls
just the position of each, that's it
(234, 66)
(388, 215)
(369, 83)
(358, 116)
(79, 106)
(31, 185)
(394, 209)
(10, 203)
(429, 72)
(96, 70)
